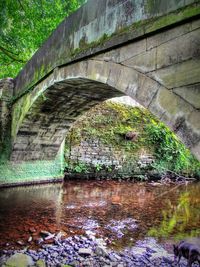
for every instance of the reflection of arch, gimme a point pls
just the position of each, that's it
(44, 114)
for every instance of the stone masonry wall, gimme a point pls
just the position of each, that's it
(104, 160)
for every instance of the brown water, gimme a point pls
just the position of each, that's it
(120, 212)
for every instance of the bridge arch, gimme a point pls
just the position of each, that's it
(42, 117)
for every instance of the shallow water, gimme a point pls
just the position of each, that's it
(121, 212)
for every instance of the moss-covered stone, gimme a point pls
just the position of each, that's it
(19, 260)
(40, 263)
(98, 147)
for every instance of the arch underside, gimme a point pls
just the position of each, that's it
(51, 115)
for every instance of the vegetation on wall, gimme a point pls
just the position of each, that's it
(110, 122)
(24, 26)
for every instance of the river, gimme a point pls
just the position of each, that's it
(120, 212)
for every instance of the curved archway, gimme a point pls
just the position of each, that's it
(41, 117)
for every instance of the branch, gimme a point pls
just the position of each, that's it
(8, 51)
(22, 7)
(178, 175)
(11, 55)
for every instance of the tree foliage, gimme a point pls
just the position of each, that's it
(24, 25)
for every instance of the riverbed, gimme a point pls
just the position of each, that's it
(122, 213)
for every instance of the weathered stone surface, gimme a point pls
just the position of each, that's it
(168, 35)
(128, 79)
(147, 89)
(178, 75)
(169, 107)
(158, 7)
(19, 260)
(190, 93)
(132, 49)
(124, 53)
(185, 47)
(144, 62)
(195, 24)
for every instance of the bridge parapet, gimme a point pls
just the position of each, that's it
(101, 25)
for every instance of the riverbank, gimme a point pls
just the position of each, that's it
(88, 251)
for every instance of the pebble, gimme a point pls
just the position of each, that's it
(21, 243)
(30, 239)
(32, 230)
(84, 251)
(46, 233)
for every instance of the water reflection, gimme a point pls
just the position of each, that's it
(180, 220)
(109, 209)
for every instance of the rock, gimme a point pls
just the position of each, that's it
(49, 237)
(100, 251)
(39, 240)
(20, 242)
(40, 263)
(30, 239)
(112, 258)
(19, 260)
(85, 251)
(45, 233)
(32, 230)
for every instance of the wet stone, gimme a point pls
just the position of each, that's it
(85, 251)
(19, 259)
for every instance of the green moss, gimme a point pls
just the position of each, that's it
(83, 45)
(171, 18)
(37, 171)
(109, 123)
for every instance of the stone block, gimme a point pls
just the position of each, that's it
(190, 94)
(147, 89)
(133, 49)
(169, 107)
(76, 70)
(185, 47)
(181, 74)
(114, 75)
(111, 56)
(98, 70)
(144, 62)
(167, 35)
(128, 81)
(195, 24)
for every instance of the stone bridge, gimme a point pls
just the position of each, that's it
(146, 49)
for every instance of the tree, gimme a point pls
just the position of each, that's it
(24, 25)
